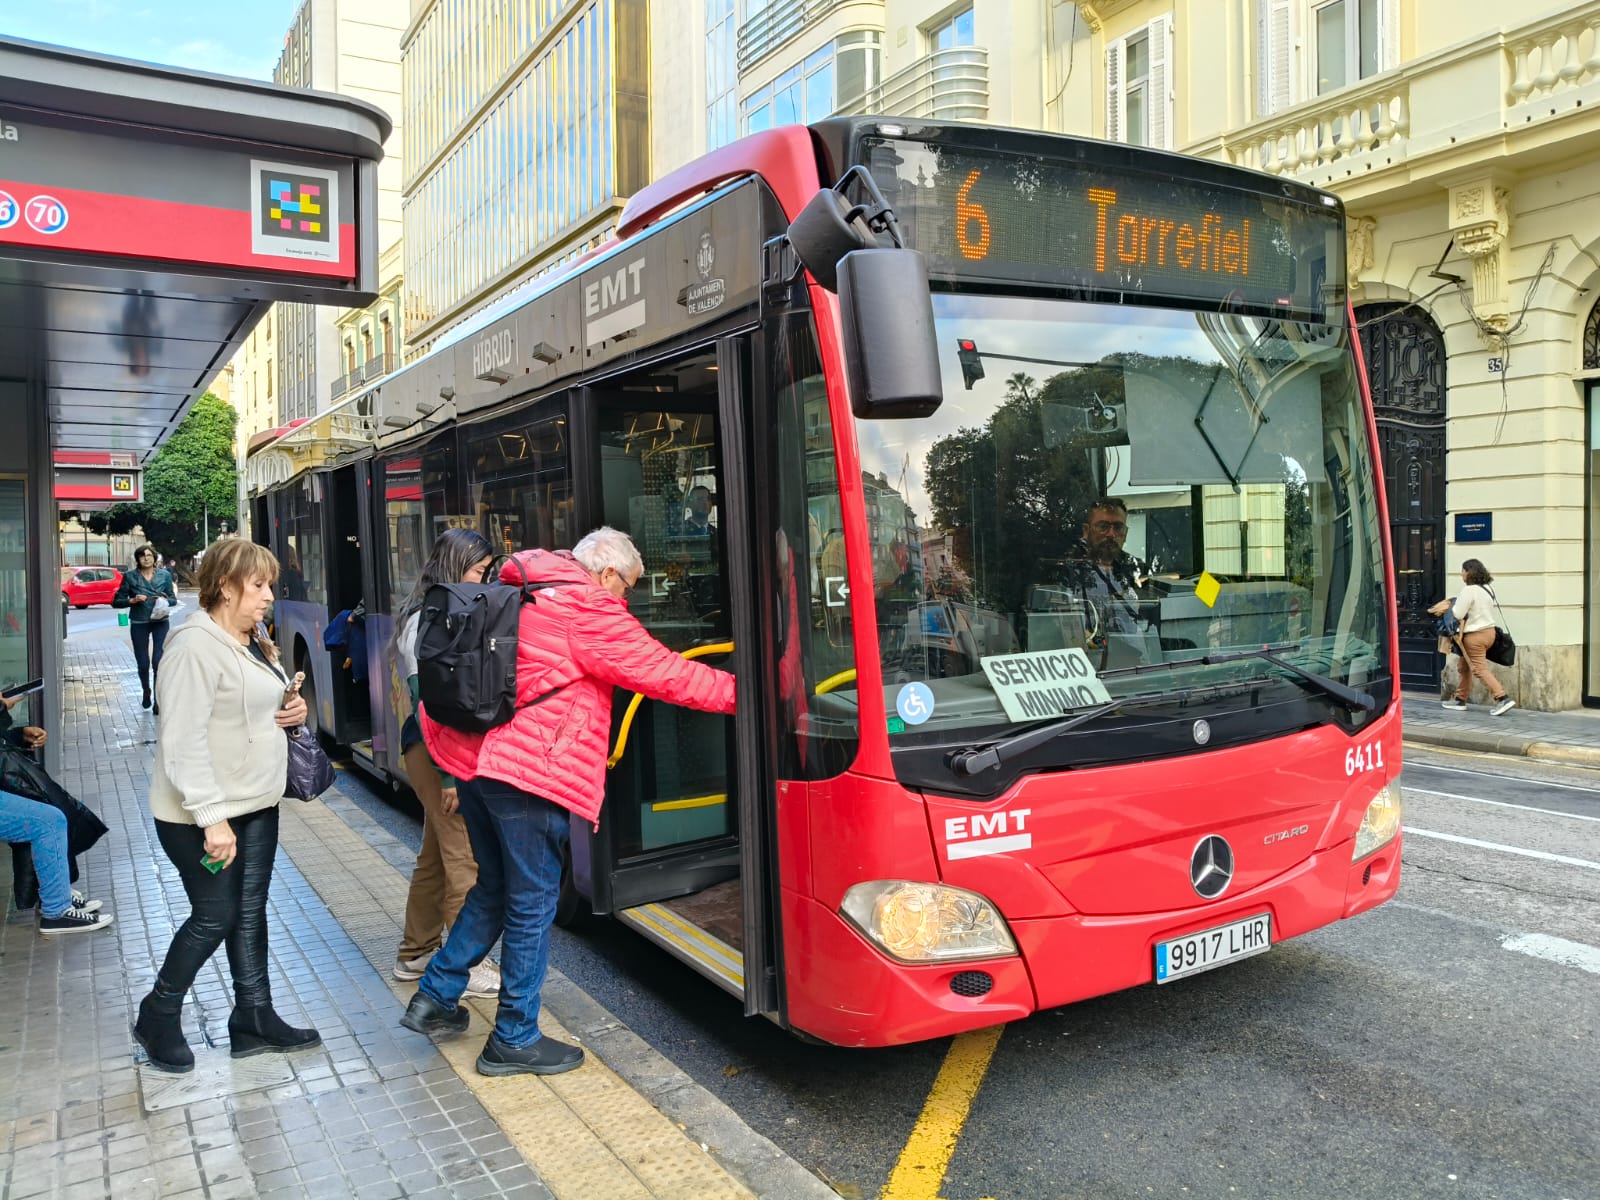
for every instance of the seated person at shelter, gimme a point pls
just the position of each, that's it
(1109, 581)
(44, 828)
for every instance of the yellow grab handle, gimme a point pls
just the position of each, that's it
(638, 698)
(833, 681)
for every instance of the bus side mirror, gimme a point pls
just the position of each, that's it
(891, 357)
(827, 229)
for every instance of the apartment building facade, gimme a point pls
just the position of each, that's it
(351, 47)
(1462, 138)
(528, 126)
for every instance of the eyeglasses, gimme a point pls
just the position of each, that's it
(1109, 527)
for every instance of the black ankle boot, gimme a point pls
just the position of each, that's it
(145, 703)
(159, 1030)
(261, 1030)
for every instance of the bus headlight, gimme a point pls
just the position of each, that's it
(926, 922)
(1381, 822)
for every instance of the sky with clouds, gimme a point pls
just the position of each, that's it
(229, 37)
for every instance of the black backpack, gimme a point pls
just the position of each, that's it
(467, 652)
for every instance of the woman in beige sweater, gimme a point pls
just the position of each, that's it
(1479, 612)
(221, 760)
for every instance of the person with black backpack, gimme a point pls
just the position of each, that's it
(445, 870)
(524, 775)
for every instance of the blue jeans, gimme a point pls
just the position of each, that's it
(518, 839)
(45, 827)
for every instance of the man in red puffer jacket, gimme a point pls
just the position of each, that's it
(521, 782)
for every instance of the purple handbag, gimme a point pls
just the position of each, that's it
(310, 772)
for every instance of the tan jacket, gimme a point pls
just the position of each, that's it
(219, 751)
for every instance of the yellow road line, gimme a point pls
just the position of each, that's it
(920, 1171)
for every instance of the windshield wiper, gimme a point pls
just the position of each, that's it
(1346, 695)
(971, 761)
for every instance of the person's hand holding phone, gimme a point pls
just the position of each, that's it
(292, 713)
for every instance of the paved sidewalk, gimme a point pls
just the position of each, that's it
(375, 1112)
(1571, 737)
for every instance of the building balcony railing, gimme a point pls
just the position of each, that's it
(947, 85)
(1533, 80)
(775, 25)
(345, 382)
(376, 367)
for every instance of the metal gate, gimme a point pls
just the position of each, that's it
(1406, 370)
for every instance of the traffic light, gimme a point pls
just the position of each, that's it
(971, 361)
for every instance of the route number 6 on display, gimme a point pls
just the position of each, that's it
(1359, 759)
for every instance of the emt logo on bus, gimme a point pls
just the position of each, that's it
(613, 302)
(987, 833)
(1143, 241)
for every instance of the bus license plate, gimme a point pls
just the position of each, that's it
(1209, 948)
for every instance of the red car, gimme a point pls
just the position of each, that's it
(91, 585)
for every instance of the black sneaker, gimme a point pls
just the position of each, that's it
(83, 904)
(426, 1015)
(544, 1057)
(75, 920)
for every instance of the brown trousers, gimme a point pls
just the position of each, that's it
(1473, 648)
(445, 870)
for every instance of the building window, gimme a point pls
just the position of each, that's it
(722, 80)
(366, 343)
(1139, 87)
(1347, 43)
(1330, 43)
(947, 35)
(828, 79)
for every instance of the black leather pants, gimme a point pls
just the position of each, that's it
(228, 908)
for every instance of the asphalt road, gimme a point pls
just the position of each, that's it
(1446, 1045)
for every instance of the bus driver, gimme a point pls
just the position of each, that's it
(1110, 583)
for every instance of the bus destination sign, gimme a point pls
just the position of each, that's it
(1025, 219)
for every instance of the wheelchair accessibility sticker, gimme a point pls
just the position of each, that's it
(914, 703)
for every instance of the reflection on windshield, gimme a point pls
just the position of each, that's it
(1134, 485)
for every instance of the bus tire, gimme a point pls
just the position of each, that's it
(571, 907)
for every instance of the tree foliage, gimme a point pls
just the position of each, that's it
(193, 473)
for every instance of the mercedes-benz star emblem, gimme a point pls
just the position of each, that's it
(1202, 732)
(1211, 867)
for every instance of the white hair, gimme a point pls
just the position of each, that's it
(608, 547)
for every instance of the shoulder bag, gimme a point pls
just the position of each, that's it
(1503, 651)
(310, 773)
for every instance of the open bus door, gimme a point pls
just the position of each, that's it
(681, 851)
(351, 706)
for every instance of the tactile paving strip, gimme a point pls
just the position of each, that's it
(587, 1133)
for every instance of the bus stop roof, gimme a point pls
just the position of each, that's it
(148, 217)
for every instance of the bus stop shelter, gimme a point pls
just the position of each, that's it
(148, 218)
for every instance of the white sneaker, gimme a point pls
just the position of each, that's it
(408, 969)
(484, 980)
(1505, 705)
(1454, 704)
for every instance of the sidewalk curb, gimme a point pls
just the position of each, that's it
(753, 1158)
(1517, 747)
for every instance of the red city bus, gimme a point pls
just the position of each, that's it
(1027, 483)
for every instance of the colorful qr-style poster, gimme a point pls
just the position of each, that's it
(294, 211)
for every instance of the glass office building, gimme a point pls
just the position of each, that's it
(529, 127)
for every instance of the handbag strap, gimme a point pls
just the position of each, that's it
(1498, 611)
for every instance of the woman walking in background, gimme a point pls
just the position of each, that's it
(1479, 612)
(222, 756)
(445, 870)
(142, 585)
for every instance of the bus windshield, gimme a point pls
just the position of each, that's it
(1108, 495)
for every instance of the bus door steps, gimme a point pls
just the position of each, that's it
(684, 928)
